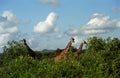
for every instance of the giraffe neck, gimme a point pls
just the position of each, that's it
(63, 53)
(68, 45)
(80, 48)
(28, 48)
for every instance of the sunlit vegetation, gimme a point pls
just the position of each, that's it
(100, 59)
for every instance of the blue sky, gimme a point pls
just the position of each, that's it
(51, 23)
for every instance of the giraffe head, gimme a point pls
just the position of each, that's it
(23, 41)
(72, 40)
(84, 42)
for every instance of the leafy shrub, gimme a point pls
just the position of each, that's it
(101, 59)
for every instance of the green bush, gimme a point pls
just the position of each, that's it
(101, 59)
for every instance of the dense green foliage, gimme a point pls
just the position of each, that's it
(100, 59)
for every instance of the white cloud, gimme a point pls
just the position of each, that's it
(73, 32)
(50, 41)
(118, 24)
(97, 21)
(50, 2)
(8, 30)
(4, 37)
(97, 24)
(8, 27)
(94, 31)
(48, 25)
(12, 19)
(78, 41)
(2, 19)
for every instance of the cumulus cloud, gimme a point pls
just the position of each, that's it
(97, 24)
(50, 41)
(94, 31)
(10, 22)
(78, 41)
(8, 27)
(48, 25)
(73, 32)
(2, 19)
(3, 37)
(50, 2)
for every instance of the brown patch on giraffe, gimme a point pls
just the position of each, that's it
(64, 52)
(77, 53)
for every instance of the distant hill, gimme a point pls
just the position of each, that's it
(46, 50)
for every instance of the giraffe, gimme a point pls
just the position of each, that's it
(64, 52)
(77, 53)
(30, 51)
